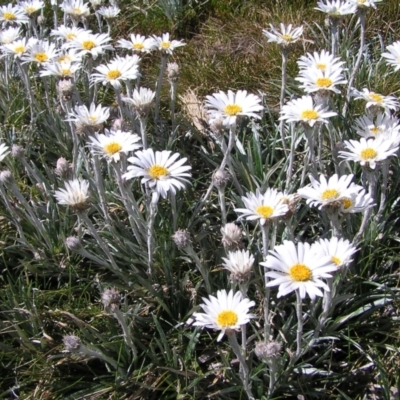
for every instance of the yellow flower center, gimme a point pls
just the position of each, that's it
(368, 154)
(375, 130)
(287, 38)
(9, 16)
(157, 171)
(113, 74)
(41, 57)
(324, 82)
(88, 44)
(233, 109)
(264, 211)
(309, 114)
(19, 49)
(321, 66)
(165, 45)
(361, 1)
(300, 273)
(77, 10)
(347, 203)
(376, 97)
(93, 118)
(330, 194)
(30, 10)
(226, 319)
(336, 260)
(112, 148)
(70, 36)
(138, 46)
(65, 72)
(64, 59)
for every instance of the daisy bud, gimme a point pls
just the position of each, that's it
(72, 343)
(73, 243)
(181, 238)
(265, 351)
(63, 168)
(65, 89)
(217, 127)
(6, 177)
(231, 237)
(41, 20)
(119, 125)
(173, 72)
(17, 151)
(111, 298)
(220, 178)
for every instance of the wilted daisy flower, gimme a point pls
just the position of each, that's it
(264, 207)
(75, 194)
(61, 70)
(231, 236)
(239, 264)
(377, 100)
(340, 250)
(322, 60)
(393, 55)
(356, 202)
(336, 8)
(141, 101)
(368, 152)
(67, 33)
(40, 52)
(298, 268)
(4, 151)
(109, 12)
(114, 142)
(93, 44)
(119, 69)
(19, 47)
(10, 14)
(9, 35)
(326, 192)
(364, 3)
(160, 170)
(138, 43)
(304, 110)
(382, 124)
(285, 37)
(166, 45)
(30, 7)
(232, 105)
(75, 8)
(226, 312)
(314, 80)
(89, 117)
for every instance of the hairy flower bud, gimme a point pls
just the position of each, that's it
(173, 72)
(65, 89)
(63, 168)
(111, 298)
(265, 351)
(231, 236)
(73, 243)
(220, 178)
(17, 151)
(6, 177)
(181, 238)
(72, 343)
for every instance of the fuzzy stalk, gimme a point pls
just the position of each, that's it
(291, 156)
(385, 172)
(284, 53)
(299, 313)
(221, 197)
(267, 325)
(159, 85)
(143, 125)
(334, 25)
(100, 188)
(150, 227)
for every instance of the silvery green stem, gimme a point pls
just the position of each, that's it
(299, 313)
(244, 370)
(6, 68)
(174, 85)
(119, 101)
(289, 228)
(320, 143)
(174, 212)
(327, 302)
(361, 14)
(135, 217)
(99, 21)
(272, 376)
(125, 329)
(75, 141)
(150, 226)
(284, 53)
(221, 196)
(309, 132)
(100, 242)
(291, 155)
(25, 78)
(231, 143)
(267, 325)
(55, 18)
(143, 125)
(98, 354)
(100, 187)
(89, 70)
(108, 26)
(84, 253)
(336, 228)
(385, 171)
(159, 85)
(333, 151)
(334, 24)
(243, 289)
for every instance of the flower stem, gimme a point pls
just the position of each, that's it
(267, 325)
(299, 313)
(282, 96)
(125, 329)
(159, 85)
(150, 226)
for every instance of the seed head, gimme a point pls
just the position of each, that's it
(72, 343)
(181, 238)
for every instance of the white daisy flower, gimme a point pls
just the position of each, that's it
(119, 69)
(165, 45)
(232, 105)
(322, 60)
(226, 312)
(285, 37)
(160, 170)
(10, 14)
(304, 110)
(67, 33)
(75, 194)
(141, 101)
(298, 268)
(393, 55)
(114, 142)
(356, 202)
(68, 57)
(239, 263)
(326, 192)
(30, 7)
(40, 52)
(364, 3)
(4, 151)
(377, 100)
(340, 250)
(9, 35)
(88, 43)
(60, 70)
(368, 152)
(264, 207)
(19, 47)
(314, 80)
(336, 8)
(75, 8)
(138, 43)
(381, 125)
(110, 12)
(89, 117)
